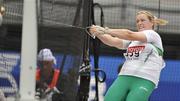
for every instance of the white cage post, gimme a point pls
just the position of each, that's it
(28, 51)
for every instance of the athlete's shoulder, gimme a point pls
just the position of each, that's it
(150, 31)
(151, 35)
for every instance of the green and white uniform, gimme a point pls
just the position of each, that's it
(144, 59)
(141, 71)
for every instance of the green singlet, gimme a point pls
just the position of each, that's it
(129, 88)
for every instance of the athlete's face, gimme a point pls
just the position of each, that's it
(143, 22)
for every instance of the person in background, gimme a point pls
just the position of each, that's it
(141, 70)
(2, 12)
(46, 75)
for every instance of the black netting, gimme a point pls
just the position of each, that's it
(10, 45)
(121, 13)
(14, 11)
(59, 29)
(58, 21)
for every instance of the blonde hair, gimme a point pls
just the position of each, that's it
(154, 19)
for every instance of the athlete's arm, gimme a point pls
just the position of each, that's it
(111, 41)
(119, 33)
(128, 35)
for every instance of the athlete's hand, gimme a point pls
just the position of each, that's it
(98, 30)
(93, 31)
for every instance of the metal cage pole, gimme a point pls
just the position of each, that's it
(85, 69)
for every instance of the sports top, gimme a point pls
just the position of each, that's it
(144, 59)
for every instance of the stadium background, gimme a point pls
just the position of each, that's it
(54, 16)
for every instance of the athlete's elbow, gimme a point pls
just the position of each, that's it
(129, 35)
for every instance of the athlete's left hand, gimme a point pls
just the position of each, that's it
(97, 30)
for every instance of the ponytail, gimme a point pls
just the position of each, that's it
(158, 21)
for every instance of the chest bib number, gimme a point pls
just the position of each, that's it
(133, 52)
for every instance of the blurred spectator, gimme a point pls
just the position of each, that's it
(46, 75)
